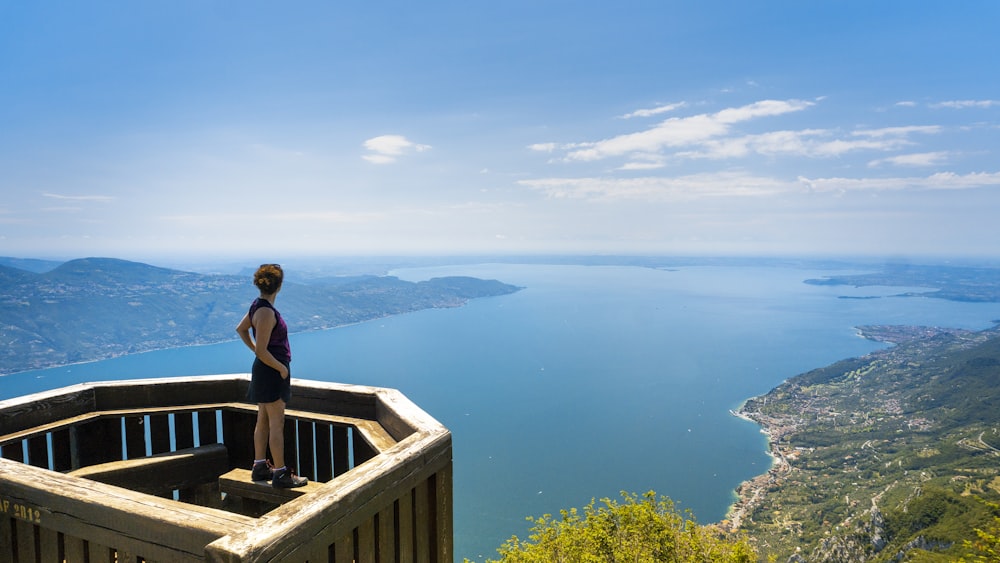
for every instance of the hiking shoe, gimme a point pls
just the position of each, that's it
(287, 479)
(262, 471)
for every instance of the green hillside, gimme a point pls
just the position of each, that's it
(885, 456)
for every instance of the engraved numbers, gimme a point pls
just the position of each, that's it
(21, 511)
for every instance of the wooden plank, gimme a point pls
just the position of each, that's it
(237, 434)
(291, 445)
(366, 545)
(343, 549)
(38, 451)
(49, 544)
(312, 553)
(73, 548)
(98, 553)
(183, 431)
(341, 505)
(385, 531)
(207, 427)
(354, 401)
(54, 424)
(159, 433)
(306, 449)
(421, 521)
(375, 435)
(377, 438)
(407, 545)
(444, 495)
(324, 453)
(168, 391)
(97, 441)
(62, 460)
(341, 450)
(155, 528)
(362, 449)
(40, 408)
(162, 472)
(6, 539)
(135, 436)
(24, 537)
(401, 417)
(206, 494)
(237, 482)
(387, 412)
(13, 451)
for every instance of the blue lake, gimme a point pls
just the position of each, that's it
(590, 381)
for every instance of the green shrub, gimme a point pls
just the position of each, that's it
(636, 530)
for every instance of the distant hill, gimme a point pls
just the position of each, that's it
(97, 308)
(955, 283)
(29, 264)
(891, 456)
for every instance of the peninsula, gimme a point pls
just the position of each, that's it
(97, 308)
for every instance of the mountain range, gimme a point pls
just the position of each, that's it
(95, 308)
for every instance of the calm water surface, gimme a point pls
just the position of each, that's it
(590, 381)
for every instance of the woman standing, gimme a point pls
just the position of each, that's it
(270, 383)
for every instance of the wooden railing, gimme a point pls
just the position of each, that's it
(130, 471)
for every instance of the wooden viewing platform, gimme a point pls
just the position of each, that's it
(157, 470)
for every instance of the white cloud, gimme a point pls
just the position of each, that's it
(939, 181)
(896, 131)
(708, 136)
(386, 149)
(740, 185)
(543, 147)
(914, 159)
(101, 198)
(773, 143)
(963, 104)
(654, 111)
(649, 165)
(690, 187)
(682, 131)
(806, 142)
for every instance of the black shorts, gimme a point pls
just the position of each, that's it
(267, 385)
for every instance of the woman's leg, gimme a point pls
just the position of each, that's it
(260, 432)
(275, 418)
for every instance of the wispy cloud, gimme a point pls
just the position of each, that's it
(64, 197)
(914, 159)
(318, 216)
(543, 147)
(963, 104)
(654, 111)
(690, 187)
(385, 149)
(939, 181)
(711, 136)
(742, 185)
(681, 131)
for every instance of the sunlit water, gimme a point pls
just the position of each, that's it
(590, 381)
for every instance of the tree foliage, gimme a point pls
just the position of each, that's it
(636, 530)
(986, 547)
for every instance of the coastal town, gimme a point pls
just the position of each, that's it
(846, 438)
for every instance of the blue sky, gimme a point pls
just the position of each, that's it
(210, 129)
